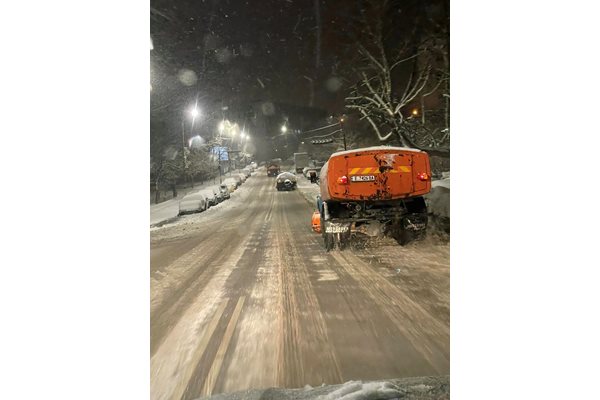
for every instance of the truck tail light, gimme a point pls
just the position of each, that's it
(423, 176)
(342, 180)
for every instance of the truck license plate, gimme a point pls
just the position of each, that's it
(362, 178)
(334, 228)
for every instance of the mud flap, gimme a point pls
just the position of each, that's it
(335, 233)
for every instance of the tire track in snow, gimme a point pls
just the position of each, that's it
(429, 336)
(306, 355)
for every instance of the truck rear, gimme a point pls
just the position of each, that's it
(273, 168)
(374, 191)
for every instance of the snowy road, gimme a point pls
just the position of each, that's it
(244, 296)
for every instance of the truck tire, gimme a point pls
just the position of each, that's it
(342, 240)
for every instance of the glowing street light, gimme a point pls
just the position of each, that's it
(221, 126)
(415, 112)
(194, 112)
(283, 129)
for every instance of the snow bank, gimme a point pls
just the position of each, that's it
(416, 388)
(388, 148)
(356, 390)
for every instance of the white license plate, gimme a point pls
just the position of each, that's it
(362, 178)
(336, 228)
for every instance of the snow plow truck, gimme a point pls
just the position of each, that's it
(374, 192)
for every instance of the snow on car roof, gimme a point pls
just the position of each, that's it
(286, 175)
(341, 153)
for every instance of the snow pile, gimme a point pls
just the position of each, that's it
(184, 224)
(308, 190)
(375, 148)
(438, 199)
(356, 390)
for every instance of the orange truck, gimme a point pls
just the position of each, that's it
(374, 191)
(273, 167)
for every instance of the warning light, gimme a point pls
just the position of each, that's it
(423, 176)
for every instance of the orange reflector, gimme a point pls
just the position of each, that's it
(423, 176)
(342, 180)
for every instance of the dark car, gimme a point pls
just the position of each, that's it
(286, 181)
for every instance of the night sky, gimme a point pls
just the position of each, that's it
(229, 54)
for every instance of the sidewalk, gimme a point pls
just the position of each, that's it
(170, 208)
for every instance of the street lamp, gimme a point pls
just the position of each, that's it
(283, 129)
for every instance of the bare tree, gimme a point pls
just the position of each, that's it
(390, 80)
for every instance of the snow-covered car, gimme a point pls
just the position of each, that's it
(224, 191)
(192, 202)
(238, 179)
(247, 171)
(210, 196)
(240, 176)
(254, 165)
(218, 194)
(285, 181)
(231, 184)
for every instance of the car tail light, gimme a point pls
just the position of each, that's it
(342, 180)
(423, 176)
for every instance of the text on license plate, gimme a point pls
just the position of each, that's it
(336, 228)
(362, 178)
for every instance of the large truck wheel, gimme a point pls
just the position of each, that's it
(328, 241)
(343, 240)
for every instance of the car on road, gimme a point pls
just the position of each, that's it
(224, 191)
(286, 181)
(231, 184)
(192, 202)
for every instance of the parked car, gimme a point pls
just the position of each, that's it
(241, 178)
(218, 194)
(210, 196)
(192, 202)
(286, 181)
(231, 184)
(224, 191)
(247, 171)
